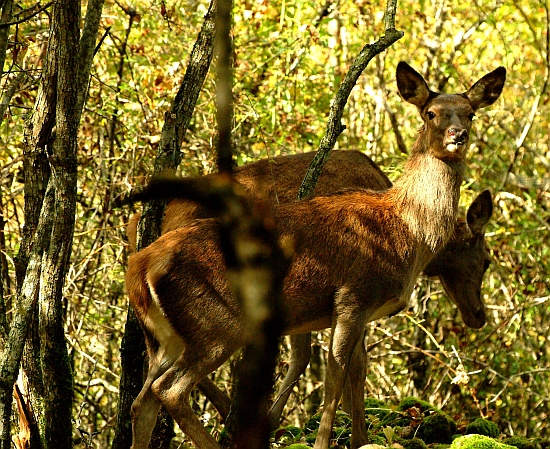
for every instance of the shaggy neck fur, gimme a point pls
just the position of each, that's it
(427, 196)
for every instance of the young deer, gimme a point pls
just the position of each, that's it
(460, 265)
(357, 255)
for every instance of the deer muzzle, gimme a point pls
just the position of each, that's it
(456, 139)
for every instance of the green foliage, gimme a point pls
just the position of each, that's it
(483, 427)
(287, 68)
(478, 442)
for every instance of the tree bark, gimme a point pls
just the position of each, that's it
(56, 367)
(6, 8)
(168, 158)
(50, 168)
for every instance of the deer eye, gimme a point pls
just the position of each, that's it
(431, 115)
(471, 115)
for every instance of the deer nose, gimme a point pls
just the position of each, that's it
(457, 134)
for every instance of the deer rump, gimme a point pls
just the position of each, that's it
(357, 257)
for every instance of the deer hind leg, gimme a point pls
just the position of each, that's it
(346, 332)
(172, 389)
(300, 354)
(145, 408)
(217, 397)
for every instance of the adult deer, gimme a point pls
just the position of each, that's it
(460, 265)
(357, 255)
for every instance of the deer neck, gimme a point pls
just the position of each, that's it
(426, 196)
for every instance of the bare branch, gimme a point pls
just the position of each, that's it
(17, 22)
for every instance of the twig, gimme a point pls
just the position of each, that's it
(17, 22)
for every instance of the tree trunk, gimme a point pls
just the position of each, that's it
(50, 169)
(168, 157)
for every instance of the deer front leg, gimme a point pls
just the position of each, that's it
(346, 403)
(356, 376)
(345, 334)
(300, 354)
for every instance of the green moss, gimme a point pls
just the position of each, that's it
(478, 442)
(341, 435)
(375, 407)
(376, 439)
(298, 446)
(312, 424)
(407, 412)
(410, 402)
(310, 438)
(341, 430)
(437, 428)
(414, 443)
(440, 446)
(288, 434)
(520, 442)
(483, 427)
(342, 419)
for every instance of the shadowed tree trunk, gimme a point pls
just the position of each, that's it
(168, 158)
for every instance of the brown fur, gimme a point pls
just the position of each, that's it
(357, 257)
(279, 179)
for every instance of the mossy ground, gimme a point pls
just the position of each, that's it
(412, 424)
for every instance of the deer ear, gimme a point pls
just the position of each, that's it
(480, 212)
(411, 85)
(486, 91)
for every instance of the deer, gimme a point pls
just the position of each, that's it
(460, 265)
(357, 256)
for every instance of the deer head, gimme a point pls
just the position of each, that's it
(461, 264)
(447, 117)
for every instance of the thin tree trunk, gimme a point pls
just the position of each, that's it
(334, 124)
(38, 134)
(168, 158)
(56, 367)
(36, 170)
(6, 14)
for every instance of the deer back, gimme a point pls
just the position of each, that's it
(279, 179)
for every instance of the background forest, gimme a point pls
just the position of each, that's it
(289, 59)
